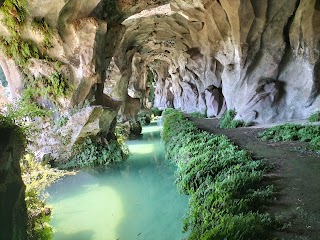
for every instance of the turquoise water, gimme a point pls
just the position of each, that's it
(134, 200)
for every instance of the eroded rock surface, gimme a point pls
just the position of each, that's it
(260, 58)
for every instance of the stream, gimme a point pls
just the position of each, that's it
(136, 199)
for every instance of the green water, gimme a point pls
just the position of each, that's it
(134, 200)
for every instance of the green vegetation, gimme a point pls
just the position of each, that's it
(15, 14)
(37, 177)
(227, 120)
(294, 132)
(21, 50)
(18, 50)
(223, 181)
(198, 115)
(25, 109)
(91, 153)
(156, 111)
(144, 117)
(150, 79)
(315, 117)
(42, 26)
(52, 87)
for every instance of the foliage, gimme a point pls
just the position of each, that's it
(223, 181)
(150, 79)
(37, 177)
(198, 115)
(15, 13)
(90, 153)
(18, 50)
(23, 111)
(227, 120)
(156, 111)
(144, 117)
(167, 112)
(315, 117)
(292, 132)
(42, 26)
(54, 86)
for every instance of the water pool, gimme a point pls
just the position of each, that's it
(134, 200)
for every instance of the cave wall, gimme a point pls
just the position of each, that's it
(259, 57)
(13, 211)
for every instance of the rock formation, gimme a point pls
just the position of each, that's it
(13, 212)
(260, 58)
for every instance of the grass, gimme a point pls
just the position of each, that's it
(227, 120)
(294, 132)
(223, 181)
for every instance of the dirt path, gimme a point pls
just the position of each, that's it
(294, 173)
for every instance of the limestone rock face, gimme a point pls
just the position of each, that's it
(56, 142)
(13, 211)
(260, 58)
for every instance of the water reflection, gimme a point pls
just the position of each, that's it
(134, 200)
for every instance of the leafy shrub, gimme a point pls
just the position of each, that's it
(293, 132)
(144, 117)
(227, 120)
(37, 177)
(167, 111)
(90, 153)
(156, 111)
(315, 117)
(223, 181)
(198, 115)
